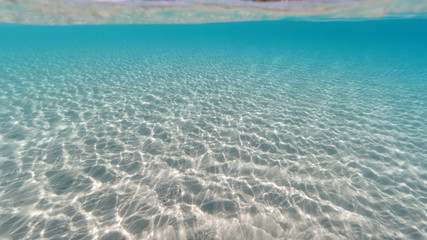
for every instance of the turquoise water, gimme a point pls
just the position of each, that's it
(258, 130)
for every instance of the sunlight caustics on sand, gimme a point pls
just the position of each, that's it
(261, 130)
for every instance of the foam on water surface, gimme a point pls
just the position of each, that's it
(268, 130)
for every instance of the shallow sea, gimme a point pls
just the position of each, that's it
(259, 130)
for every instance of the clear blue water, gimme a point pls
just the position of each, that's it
(260, 130)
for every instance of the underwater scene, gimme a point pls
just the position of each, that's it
(202, 119)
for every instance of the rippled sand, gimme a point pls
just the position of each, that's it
(205, 132)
